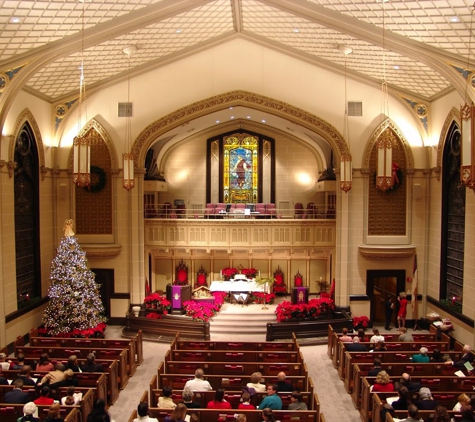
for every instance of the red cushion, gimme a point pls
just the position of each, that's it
(298, 281)
(182, 275)
(201, 280)
(278, 279)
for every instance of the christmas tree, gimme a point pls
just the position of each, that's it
(75, 307)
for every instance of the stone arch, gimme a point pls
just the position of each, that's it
(238, 98)
(452, 116)
(27, 116)
(388, 123)
(95, 125)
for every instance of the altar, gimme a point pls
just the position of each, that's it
(238, 286)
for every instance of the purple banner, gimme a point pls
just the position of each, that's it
(176, 297)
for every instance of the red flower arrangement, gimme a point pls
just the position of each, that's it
(263, 298)
(95, 332)
(200, 311)
(249, 272)
(229, 273)
(156, 301)
(360, 321)
(285, 311)
(156, 315)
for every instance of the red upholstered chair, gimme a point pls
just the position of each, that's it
(201, 278)
(311, 211)
(270, 210)
(166, 210)
(181, 275)
(261, 209)
(279, 285)
(298, 280)
(209, 210)
(298, 210)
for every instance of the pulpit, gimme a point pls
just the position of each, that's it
(299, 295)
(177, 295)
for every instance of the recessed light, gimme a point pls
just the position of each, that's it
(396, 67)
(454, 19)
(263, 121)
(178, 31)
(15, 19)
(230, 108)
(296, 30)
(232, 117)
(248, 117)
(217, 121)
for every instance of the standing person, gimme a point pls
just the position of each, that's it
(389, 308)
(142, 412)
(198, 383)
(401, 314)
(272, 401)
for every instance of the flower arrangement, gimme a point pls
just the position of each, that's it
(96, 332)
(200, 311)
(249, 272)
(262, 298)
(157, 301)
(229, 273)
(285, 311)
(360, 321)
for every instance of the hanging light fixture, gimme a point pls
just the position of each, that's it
(384, 179)
(82, 142)
(467, 119)
(346, 171)
(127, 156)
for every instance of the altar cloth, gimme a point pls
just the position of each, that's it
(237, 286)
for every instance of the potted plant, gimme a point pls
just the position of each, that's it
(360, 322)
(229, 273)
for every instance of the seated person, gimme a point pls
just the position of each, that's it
(91, 365)
(256, 383)
(187, 396)
(467, 357)
(296, 402)
(383, 383)
(437, 356)
(20, 362)
(44, 363)
(362, 335)
(54, 378)
(29, 412)
(178, 414)
(44, 397)
(407, 382)
(54, 413)
(282, 384)
(463, 399)
(380, 346)
(376, 336)
(142, 412)
(376, 369)
(422, 357)
(426, 401)
(25, 375)
(198, 383)
(403, 399)
(17, 395)
(345, 338)
(467, 413)
(272, 400)
(218, 402)
(165, 401)
(356, 346)
(72, 398)
(405, 336)
(246, 402)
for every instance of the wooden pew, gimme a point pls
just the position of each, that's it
(386, 358)
(235, 356)
(11, 412)
(434, 383)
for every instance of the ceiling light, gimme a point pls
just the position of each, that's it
(344, 49)
(296, 30)
(230, 108)
(454, 19)
(248, 117)
(396, 67)
(14, 19)
(263, 121)
(232, 117)
(217, 121)
(178, 31)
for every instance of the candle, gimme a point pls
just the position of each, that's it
(453, 301)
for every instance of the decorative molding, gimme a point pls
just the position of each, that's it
(385, 251)
(420, 110)
(11, 166)
(452, 116)
(104, 251)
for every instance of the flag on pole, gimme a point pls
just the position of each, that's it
(332, 290)
(147, 288)
(414, 287)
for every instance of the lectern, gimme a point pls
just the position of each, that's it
(299, 295)
(177, 295)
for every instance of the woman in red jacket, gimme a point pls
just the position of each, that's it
(401, 314)
(382, 383)
(219, 402)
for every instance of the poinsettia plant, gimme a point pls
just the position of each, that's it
(95, 332)
(360, 321)
(263, 298)
(249, 272)
(157, 301)
(229, 272)
(285, 311)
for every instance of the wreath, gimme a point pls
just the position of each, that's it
(101, 180)
(397, 175)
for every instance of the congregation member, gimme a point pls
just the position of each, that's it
(256, 383)
(437, 356)
(463, 399)
(389, 308)
(44, 398)
(376, 336)
(422, 356)
(54, 378)
(99, 413)
(406, 381)
(426, 400)
(380, 346)
(382, 383)
(405, 336)
(246, 402)
(142, 412)
(20, 362)
(198, 383)
(44, 364)
(362, 335)
(29, 412)
(54, 412)
(467, 413)
(187, 396)
(165, 401)
(466, 357)
(356, 346)
(441, 414)
(25, 376)
(71, 398)
(4, 365)
(401, 313)
(218, 402)
(402, 402)
(282, 384)
(296, 402)
(272, 400)
(345, 338)
(17, 395)
(412, 412)
(240, 417)
(73, 364)
(377, 368)
(178, 414)
(268, 415)
(3, 381)
(91, 365)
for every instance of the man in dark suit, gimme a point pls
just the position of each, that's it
(91, 365)
(467, 357)
(377, 368)
(73, 364)
(3, 381)
(17, 395)
(356, 346)
(282, 384)
(25, 376)
(407, 382)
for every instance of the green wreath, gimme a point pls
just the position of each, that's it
(395, 187)
(101, 182)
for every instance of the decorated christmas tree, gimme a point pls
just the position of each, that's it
(75, 308)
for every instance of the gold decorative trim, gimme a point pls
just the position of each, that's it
(453, 116)
(102, 251)
(380, 251)
(235, 98)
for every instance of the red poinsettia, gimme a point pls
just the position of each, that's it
(360, 321)
(286, 311)
(249, 272)
(229, 272)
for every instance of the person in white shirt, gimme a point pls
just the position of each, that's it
(165, 401)
(198, 383)
(5, 366)
(142, 411)
(376, 336)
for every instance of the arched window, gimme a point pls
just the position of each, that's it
(27, 241)
(453, 220)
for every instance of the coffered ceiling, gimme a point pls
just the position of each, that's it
(420, 46)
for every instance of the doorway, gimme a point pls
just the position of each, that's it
(379, 285)
(105, 277)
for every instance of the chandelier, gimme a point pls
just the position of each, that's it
(346, 176)
(127, 156)
(467, 120)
